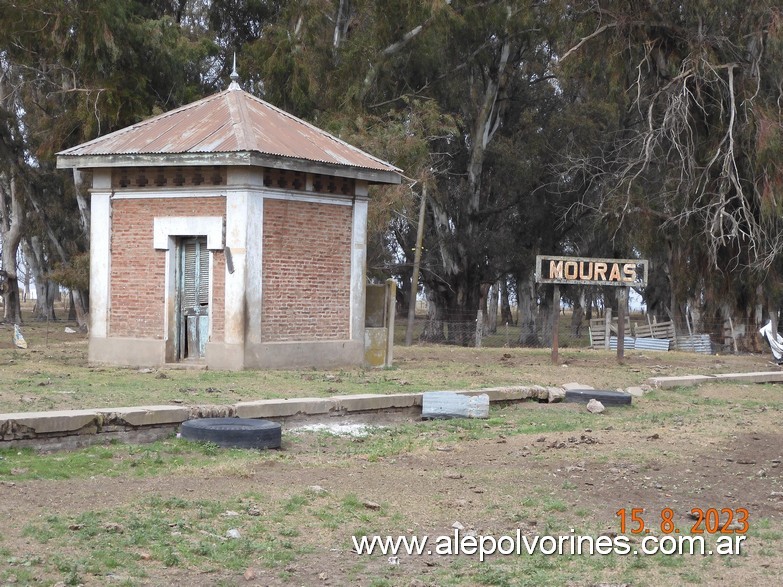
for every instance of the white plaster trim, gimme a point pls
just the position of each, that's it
(167, 226)
(237, 214)
(211, 192)
(358, 267)
(189, 192)
(341, 200)
(254, 285)
(211, 300)
(100, 263)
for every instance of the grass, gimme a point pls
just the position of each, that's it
(173, 532)
(117, 459)
(290, 530)
(53, 374)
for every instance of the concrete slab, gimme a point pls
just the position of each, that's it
(555, 394)
(376, 401)
(284, 408)
(506, 393)
(47, 422)
(680, 381)
(757, 377)
(148, 415)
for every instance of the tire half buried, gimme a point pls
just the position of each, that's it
(606, 397)
(233, 432)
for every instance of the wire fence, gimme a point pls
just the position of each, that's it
(641, 332)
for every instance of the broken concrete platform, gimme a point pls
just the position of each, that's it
(691, 380)
(73, 428)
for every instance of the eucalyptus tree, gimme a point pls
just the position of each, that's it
(692, 173)
(72, 71)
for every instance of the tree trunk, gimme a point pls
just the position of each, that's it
(44, 303)
(12, 309)
(577, 317)
(772, 308)
(81, 201)
(491, 321)
(11, 219)
(434, 330)
(81, 316)
(526, 299)
(544, 322)
(506, 317)
(71, 308)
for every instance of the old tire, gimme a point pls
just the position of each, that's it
(233, 432)
(606, 397)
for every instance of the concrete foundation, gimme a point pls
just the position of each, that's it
(76, 428)
(126, 352)
(295, 355)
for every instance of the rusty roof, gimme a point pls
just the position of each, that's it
(232, 121)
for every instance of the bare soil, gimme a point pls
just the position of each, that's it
(719, 446)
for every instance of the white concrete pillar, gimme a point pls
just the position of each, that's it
(100, 253)
(254, 279)
(236, 243)
(359, 262)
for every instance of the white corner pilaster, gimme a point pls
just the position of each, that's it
(358, 268)
(254, 280)
(100, 262)
(236, 243)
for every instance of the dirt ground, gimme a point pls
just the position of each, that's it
(717, 446)
(706, 458)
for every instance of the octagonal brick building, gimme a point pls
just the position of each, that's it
(230, 234)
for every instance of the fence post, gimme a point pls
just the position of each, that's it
(416, 263)
(479, 327)
(607, 327)
(622, 302)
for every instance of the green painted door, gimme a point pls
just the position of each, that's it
(193, 294)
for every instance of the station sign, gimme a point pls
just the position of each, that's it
(591, 271)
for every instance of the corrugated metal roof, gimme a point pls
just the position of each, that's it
(231, 121)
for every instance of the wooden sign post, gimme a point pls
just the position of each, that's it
(622, 273)
(622, 302)
(555, 322)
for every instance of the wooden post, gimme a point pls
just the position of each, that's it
(391, 289)
(733, 335)
(555, 322)
(416, 264)
(622, 302)
(607, 327)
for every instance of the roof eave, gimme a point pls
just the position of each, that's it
(392, 175)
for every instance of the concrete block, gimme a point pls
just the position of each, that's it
(375, 346)
(636, 391)
(147, 415)
(503, 394)
(679, 381)
(283, 408)
(48, 422)
(447, 404)
(374, 401)
(555, 394)
(757, 377)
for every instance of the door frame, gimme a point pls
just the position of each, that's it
(167, 231)
(180, 329)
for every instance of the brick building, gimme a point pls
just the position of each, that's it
(228, 233)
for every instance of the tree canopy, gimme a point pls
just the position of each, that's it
(598, 128)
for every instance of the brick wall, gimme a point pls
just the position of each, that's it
(137, 296)
(306, 271)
